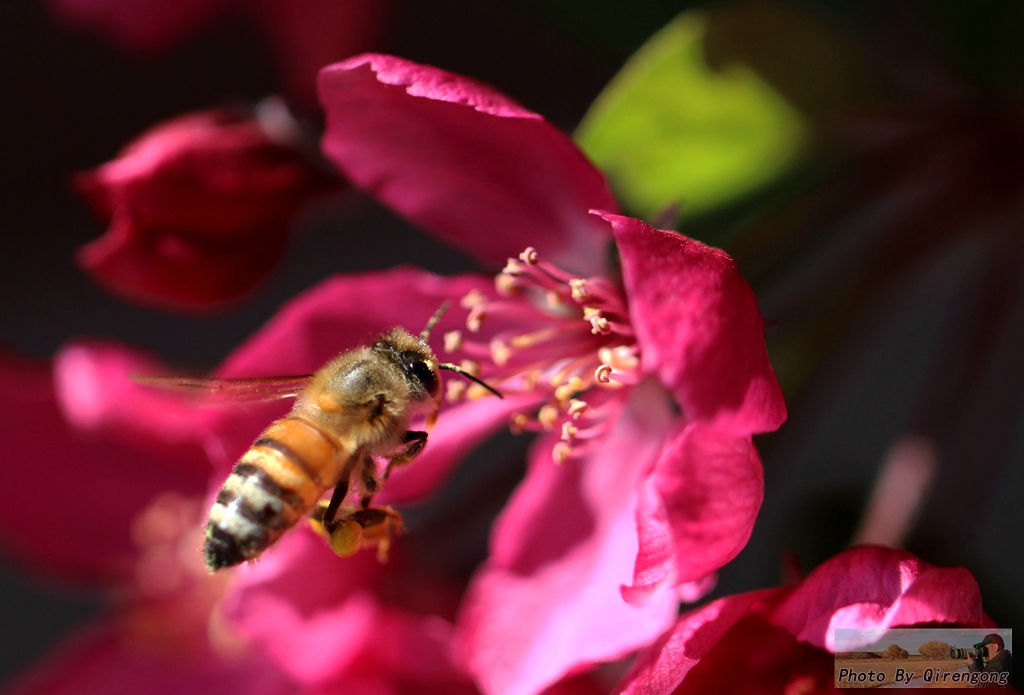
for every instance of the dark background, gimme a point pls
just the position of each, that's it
(70, 101)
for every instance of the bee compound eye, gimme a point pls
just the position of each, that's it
(426, 376)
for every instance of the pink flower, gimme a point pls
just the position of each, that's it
(646, 390)
(305, 35)
(585, 557)
(199, 208)
(782, 640)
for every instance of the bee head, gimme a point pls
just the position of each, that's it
(415, 358)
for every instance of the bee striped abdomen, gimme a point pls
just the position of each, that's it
(274, 484)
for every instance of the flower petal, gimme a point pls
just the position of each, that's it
(660, 668)
(697, 509)
(548, 601)
(699, 327)
(353, 624)
(93, 383)
(104, 659)
(463, 161)
(311, 629)
(875, 587)
(93, 482)
(199, 207)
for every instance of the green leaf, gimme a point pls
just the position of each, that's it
(670, 130)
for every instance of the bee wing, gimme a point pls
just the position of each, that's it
(227, 391)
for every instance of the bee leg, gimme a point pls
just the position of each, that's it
(371, 486)
(411, 447)
(378, 524)
(340, 492)
(344, 535)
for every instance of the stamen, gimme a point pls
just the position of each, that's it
(622, 358)
(569, 431)
(527, 339)
(452, 341)
(476, 317)
(454, 390)
(470, 367)
(577, 408)
(475, 392)
(506, 285)
(561, 453)
(569, 389)
(500, 353)
(553, 299)
(603, 373)
(513, 268)
(547, 416)
(471, 299)
(530, 256)
(599, 325)
(579, 289)
(518, 423)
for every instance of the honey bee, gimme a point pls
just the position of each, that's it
(356, 408)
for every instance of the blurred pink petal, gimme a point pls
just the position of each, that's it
(108, 659)
(660, 668)
(354, 624)
(95, 475)
(199, 208)
(93, 383)
(698, 507)
(875, 587)
(311, 630)
(699, 327)
(547, 603)
(463, 161)
(779, 640)
(139, 25)
(776, 663)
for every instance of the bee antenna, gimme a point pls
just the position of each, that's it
(433, 321)
(459, 370)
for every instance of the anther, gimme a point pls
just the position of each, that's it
(475, 392)
(518, 422)
(530, 256)
(599, 325)
(471, 299)
(513, 267)
(569, 389)
(452, 341)
(561, 452)
(547, 416)
(476, 317)
(500, 353)
(470, 367)
(579, 289)
(577, 408)
(603, 373)
(569, 431)
(454, 391)
(506, 285)
(622, 357)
